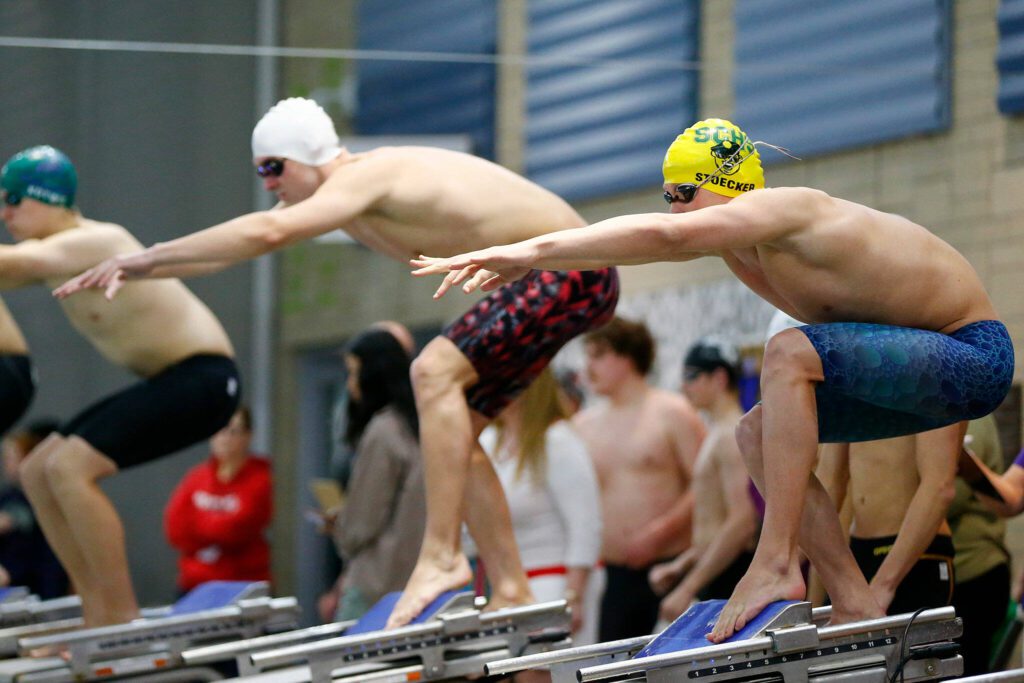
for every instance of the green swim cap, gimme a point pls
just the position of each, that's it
(41, 173)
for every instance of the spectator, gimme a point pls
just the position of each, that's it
(381, 525)
(554, 499)
(24, 552)
(218, 514)
(982, 561)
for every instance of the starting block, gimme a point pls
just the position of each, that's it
(23, 615)
(786, 642)
(150, 648)
(451, 638)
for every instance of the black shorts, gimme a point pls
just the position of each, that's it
(929, 583)
(512, 335)
(629, 607)
(17, 387)
(180, 406)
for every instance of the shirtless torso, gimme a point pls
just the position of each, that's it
(643, 458)
(407, 201)
(832, 260)
(151, 325)
(718, 467)
(884, 478)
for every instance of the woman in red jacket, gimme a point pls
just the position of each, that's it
(219, 512)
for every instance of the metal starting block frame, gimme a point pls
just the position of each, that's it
(457, 641)
(794, 646)
(31, 617)
(149, 648)
(241, 650)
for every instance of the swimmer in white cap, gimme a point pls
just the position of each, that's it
(406, 201)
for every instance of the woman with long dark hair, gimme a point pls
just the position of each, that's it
(381, 525)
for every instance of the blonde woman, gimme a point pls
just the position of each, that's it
(553, 495)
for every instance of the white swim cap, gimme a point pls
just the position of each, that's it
(781, 321)
(297, 129)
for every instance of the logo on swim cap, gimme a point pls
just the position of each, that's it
(716, 154)
(297, 129)
(41, 173)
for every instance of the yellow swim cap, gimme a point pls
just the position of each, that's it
(716, 155)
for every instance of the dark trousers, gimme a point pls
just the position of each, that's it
(981, 603)
(629, 607)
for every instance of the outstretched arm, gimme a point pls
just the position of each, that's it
(338, 201)
(760, 217)
(60, 255)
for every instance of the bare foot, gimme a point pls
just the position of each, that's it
(857, 610)
(428, 581)
(512, 595)
(758, 588)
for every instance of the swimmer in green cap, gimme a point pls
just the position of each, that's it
(902, 339)
(159, 331)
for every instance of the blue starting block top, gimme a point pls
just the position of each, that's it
(210, 595)
(690, 630)
(377, 616)
(10, 592)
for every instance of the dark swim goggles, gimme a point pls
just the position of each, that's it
(12, 199)
(685, 192)
(270, 168)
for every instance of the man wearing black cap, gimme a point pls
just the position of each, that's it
(724, 518)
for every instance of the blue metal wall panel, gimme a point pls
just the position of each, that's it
(817, 77)
(602, 129)
(1010, 57)
(426, 98)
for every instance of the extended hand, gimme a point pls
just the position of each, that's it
(109, 276)
(487, 269)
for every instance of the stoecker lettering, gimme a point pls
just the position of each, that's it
(722, 181)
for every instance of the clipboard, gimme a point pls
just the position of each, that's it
(328, 494)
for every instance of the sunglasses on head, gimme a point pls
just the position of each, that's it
(11, 199)
(270, 168)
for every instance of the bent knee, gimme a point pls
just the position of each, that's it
(748, 430)
(790, 353)
(76, 461)
(32, 470)
(439, 368)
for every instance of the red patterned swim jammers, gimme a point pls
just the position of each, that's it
(511, 335)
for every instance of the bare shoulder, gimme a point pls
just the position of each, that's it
(786, 200)
(587, 419)
(674, 405)
(101, 233)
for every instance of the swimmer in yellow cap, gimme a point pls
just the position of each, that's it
(902, 338)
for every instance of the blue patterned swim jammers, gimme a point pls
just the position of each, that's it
(883, 381)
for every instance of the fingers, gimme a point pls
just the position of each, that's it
(492, 284)
(114, 286)
(453, 279)
(479, 278)
(428, 265)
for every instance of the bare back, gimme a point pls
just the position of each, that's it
(639, 464)
(11, 338)
(151, 324)
(439, 202)
(840, 261)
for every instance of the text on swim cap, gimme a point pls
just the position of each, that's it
(725, 182)
(719, 134)
(45, 195)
